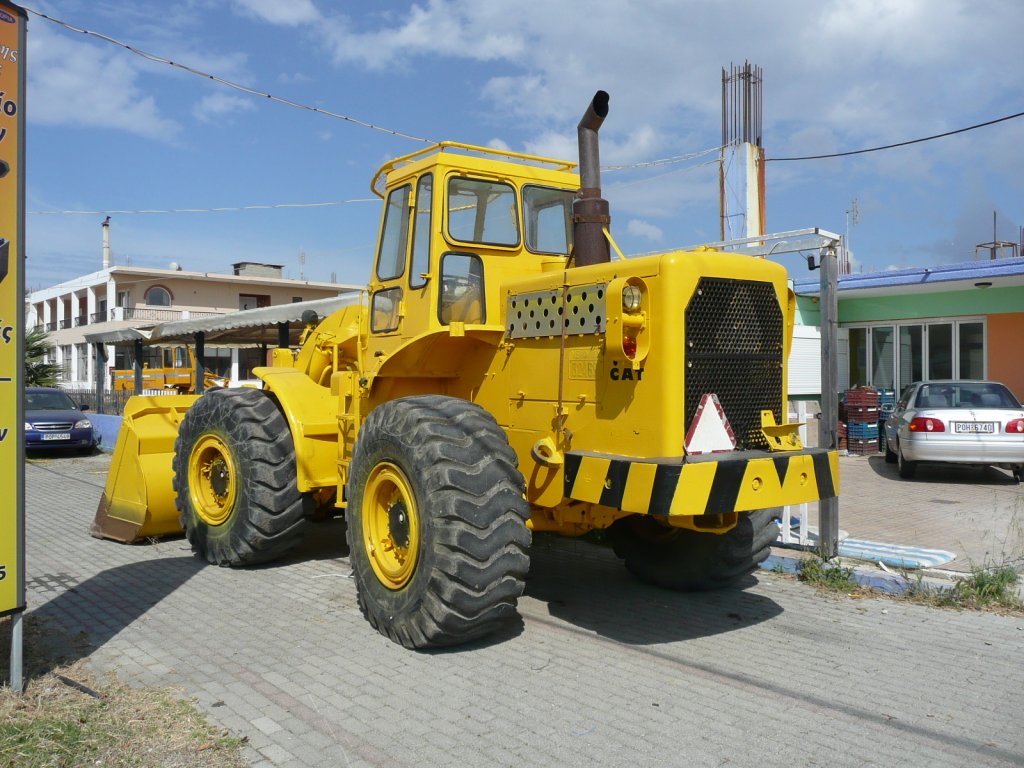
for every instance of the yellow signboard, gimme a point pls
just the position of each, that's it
(12, 314)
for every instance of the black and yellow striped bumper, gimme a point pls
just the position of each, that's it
(703, 485)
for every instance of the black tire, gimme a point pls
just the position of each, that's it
(234, 476)
(681, 559)
(907, 468)
(890, 454)
(436, 522)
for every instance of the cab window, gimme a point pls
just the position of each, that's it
(482, 212)
(421, 232)
(462, 289)
(394, 240)
(385, 310)
(547, 216)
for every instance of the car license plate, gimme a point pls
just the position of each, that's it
(974, 427)
(57, 436)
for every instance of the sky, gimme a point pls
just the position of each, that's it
(108, 130)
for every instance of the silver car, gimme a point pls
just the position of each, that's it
(962, 422)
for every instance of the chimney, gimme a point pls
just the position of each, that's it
(106, 243)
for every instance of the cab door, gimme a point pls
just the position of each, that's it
(400, 297)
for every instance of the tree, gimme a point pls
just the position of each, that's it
(38, 372)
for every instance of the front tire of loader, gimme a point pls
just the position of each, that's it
(234, 476)
(681, 559)
(436, 522)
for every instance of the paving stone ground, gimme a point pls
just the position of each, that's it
(599, 670)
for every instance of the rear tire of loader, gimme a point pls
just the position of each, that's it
(234, 476)
(681, 559)
(436, 522)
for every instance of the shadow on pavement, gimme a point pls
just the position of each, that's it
(598, 594)
(84, 616)
(965, 474)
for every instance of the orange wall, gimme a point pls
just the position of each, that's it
(1005, 346)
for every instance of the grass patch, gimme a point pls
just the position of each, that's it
(984, 588)
(826, 575)
(67, 717)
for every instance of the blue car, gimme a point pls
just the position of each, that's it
(54, 421)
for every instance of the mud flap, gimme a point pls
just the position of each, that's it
(138, 500)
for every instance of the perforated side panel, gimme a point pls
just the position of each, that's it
(541, 313)
(734, 349)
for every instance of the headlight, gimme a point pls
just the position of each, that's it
(631, 297)
(83, 424)
(27, 426)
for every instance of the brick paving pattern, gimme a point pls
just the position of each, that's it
(600, 670)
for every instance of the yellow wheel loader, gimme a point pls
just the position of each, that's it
(501, 375)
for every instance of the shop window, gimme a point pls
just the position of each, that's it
(971, 350)
(883, 357)
(940, 351)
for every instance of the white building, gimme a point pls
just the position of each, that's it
(136, 297)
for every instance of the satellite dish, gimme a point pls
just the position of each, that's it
(175, 266)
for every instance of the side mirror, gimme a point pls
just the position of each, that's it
(83, 407)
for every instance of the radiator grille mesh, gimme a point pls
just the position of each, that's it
(734, 348)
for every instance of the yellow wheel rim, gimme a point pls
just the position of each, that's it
(212, 480)
(391, 526)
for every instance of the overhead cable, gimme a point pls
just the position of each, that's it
(220, 209)
(228, 83)
(898, 144)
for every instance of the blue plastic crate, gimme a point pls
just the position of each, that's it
(862, 431)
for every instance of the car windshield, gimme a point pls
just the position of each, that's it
(49, 401)
(966, 394)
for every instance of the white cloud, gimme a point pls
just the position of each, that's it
(81, 83)
(456, 29)
(219, 107)
(288, 14)
(645, 230)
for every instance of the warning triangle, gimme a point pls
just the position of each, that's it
(709, 431)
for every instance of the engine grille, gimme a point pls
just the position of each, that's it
(734, 348)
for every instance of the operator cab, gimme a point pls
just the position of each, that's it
(456, 225)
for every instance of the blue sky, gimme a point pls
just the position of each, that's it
(109, 130)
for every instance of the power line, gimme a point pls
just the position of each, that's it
(899, 144)
(220, 209)
(228, 83)
(298, 105)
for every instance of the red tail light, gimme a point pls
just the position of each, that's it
(921, 424)
(629, 346)
(1016, 426)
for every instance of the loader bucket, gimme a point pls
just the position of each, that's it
(138, 501)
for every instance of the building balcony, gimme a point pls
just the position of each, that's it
(156, 314)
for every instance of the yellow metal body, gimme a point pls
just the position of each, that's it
(175, 373)
(138, 500)
(585, 368)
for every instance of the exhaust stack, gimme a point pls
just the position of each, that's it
(590, 212)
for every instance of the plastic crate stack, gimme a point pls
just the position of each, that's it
(862, 411)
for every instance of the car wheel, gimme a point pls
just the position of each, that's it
(890, 454)
(907, 468)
